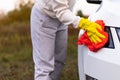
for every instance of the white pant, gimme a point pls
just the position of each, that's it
(49, 40)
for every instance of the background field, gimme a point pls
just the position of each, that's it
(16, 53)
(16, 50)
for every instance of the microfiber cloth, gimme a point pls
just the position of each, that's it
(84, 39)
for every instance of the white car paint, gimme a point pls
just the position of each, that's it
(104, 64)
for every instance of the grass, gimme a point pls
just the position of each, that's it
(70, 71)
(16, 53)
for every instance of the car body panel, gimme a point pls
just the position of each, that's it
(104, 64)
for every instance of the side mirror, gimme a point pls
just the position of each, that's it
(94, 1)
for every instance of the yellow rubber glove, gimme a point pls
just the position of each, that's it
(92, 30)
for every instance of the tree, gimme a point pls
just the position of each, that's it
(20, 14)
(2, 14)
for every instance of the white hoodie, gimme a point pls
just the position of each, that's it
(61, 9)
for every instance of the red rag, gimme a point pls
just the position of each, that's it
(84, 39)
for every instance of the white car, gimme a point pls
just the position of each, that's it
(104, 64)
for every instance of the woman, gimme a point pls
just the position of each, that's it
(49, 20)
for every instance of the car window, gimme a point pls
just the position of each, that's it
(110, 43)
(118, 33)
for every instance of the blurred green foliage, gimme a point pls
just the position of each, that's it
(15, 45)
(20, 14)
(16, 52)
(16, 48)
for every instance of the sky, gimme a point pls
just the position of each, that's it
(7, 5)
